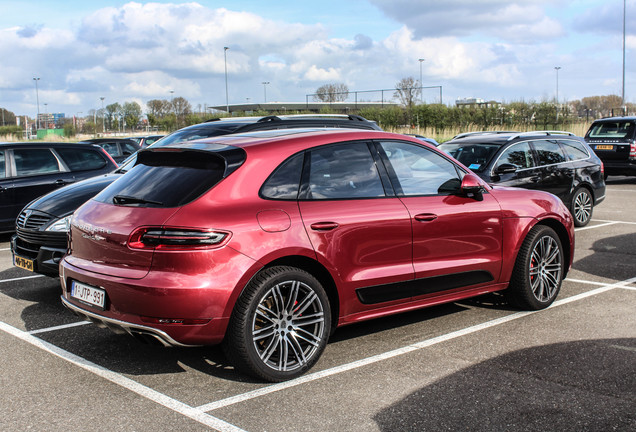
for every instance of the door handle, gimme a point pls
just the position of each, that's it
(425, 217)
(323, 226)
(534, 179)
(60, 182)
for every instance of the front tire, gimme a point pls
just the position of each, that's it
(280, 325)
(582, 206)
(538, 272)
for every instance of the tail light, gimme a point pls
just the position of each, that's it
(176, 238)
(602, 168)
(632, 150)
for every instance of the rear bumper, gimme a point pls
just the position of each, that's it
(46, 258)
(620, 167)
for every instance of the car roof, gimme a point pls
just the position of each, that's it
(503, 137)
(34, 144)
(299, 138)
(615, 119)
(104, 140)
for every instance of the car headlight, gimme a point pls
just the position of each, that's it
(62, 225)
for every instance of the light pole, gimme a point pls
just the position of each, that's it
(421, 95)
(227, 103)
(46, 122)
(623, 93)
(37, 97)
(556, 68)
(265, 89)
(103, 123)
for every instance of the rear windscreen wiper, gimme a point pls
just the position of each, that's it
(126, 200)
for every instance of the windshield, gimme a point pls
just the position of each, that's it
(204, 130)
(612, 130)
(473, 155)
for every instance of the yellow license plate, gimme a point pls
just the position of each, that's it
(604, 147)
(24, 263)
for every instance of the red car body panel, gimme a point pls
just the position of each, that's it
(359, 243)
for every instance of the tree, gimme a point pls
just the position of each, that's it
(336, 92)
(407, 90)
(132, 114)
(181, 108)
(112, 111)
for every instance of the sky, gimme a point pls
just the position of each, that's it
(503, 50)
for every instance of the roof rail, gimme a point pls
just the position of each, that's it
(546, 133)
(467, 134)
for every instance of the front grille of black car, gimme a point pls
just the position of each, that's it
(32, 221)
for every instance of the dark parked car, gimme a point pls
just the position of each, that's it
(145, 141)
(270, 240)
(28, 170)
(553, 161)
(44, 247)
(614, 141)
(118, 148)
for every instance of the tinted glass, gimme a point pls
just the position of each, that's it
(616, 130)
(111, 148)
(285, 181)
(518, 154)
(549, 152)
(3, 172)
(474, 156)
(82, 159)
(35, 161)
(343, 171)
(421, 171)
(575, 150)
(127, 149)
(151, 183)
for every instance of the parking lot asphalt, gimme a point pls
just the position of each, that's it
(476, 365)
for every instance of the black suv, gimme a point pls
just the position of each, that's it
(40, 247)
(118, 148)
(29, 170)
(614, 141)
(552, 161)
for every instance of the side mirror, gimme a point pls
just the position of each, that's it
(506, 168)
(472, 187)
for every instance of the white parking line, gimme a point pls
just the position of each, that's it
(397, 352)
(4, 249)
(21, 278)
(620, 222)
(60, 327)
(134, 386)
(596, 226)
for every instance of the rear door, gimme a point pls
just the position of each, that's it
(557, 173)
(361, 233)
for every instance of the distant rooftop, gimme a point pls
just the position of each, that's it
(292, 107)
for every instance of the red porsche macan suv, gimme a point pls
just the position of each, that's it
(267, 241)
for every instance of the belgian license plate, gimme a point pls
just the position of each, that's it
(88, 294)
(24, 263)
(604, 147)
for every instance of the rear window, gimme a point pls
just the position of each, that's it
(166, 179)
(474, 156)
(82, 159)
(612, 130)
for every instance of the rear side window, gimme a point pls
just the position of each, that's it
(575, 150)
(612, 130)
(549, 152)
(166, 179)
(283, 184)
(82, 159)
(35, 162)
(342, 171)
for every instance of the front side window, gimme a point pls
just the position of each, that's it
(420, 171)
(35, 162)
(127, 149)
(549, 152)
(111, 149)
(474, 156)
(342, 171)
(518, 154)
(81, 159)
(3, 172)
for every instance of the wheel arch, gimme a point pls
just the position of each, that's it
(318, 271)
(562, 232)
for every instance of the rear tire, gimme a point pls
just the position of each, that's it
(538, 272)
(280, 325)
(582, 206)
